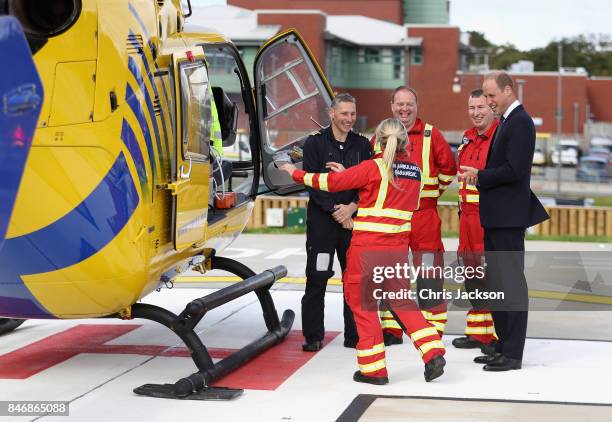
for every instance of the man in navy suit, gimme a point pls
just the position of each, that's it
(507, 208)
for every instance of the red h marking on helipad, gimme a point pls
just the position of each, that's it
(265, 372)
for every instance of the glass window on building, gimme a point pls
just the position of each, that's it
(398, 64)
(369, 55)
(369, 68)
(416, 56)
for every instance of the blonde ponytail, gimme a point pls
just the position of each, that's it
(389, 155)
(392, 137)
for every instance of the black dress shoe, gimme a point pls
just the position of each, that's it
(488, 349)
(359, 377)
(312, 346)
(351, 344)
(390, 339)
(466, 342)
(486, 359)
(434, 368)
(503, 364)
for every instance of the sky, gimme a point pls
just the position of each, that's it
(525, 23)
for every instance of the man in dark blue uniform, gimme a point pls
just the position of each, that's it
(330, 218)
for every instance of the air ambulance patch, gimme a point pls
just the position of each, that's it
(406, 171)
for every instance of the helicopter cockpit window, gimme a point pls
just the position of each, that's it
(294, 105)
(196, 115)
(224, 74)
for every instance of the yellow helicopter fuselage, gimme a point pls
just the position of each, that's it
(100, 216)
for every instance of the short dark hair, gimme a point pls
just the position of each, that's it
(477, 93)
(407, 89)
(502, 79)
(342, 98)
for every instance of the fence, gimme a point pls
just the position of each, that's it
(564, 220)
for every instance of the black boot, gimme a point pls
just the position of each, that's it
(488, 349)
(359, 377)
(390, 339)
(312, 346)
(434, 368)
(466, 342)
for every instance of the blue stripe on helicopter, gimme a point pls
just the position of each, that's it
(163, 121)
(134, 104)
(139, 19)
(136, 72)
(133, 67)
(20, 102)
(78, 235)
(131, 143)
(167, 109)
(151, 48)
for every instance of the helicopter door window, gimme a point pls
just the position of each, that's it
(196, 111)
(224, 72)
(294, 104)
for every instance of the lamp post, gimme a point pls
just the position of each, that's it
(520, 83)
(559, 114)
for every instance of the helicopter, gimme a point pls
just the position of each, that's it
(111, 186)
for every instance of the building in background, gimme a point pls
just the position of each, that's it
(369, 47)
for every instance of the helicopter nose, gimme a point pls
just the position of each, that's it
(19, 109)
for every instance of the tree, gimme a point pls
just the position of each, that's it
(478, 40)
(593, 52)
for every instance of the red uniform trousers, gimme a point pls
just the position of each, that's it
(471, 249)
(426, 246)
(358, 291)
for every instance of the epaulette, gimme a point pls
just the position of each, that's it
(461, 147)
(315, 133)
(361, 134)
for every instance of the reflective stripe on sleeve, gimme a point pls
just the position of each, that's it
(446, 178)
(308, 179)
(323, 182)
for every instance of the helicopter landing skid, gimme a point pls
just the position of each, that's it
(197, 386)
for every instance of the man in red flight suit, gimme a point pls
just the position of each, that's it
(430, 151)
(473, 152)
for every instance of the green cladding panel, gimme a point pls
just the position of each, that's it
(365, 67)
(426, 11)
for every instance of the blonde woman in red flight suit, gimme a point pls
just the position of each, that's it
(389, 187)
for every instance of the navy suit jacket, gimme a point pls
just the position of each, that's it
(506, 199)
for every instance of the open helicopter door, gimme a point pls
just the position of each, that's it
(190, 183)
(292, 97)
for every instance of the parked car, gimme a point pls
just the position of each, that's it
(593, 168)
(599, 142)
(539, 156)
(600, 152)
(570, 152)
